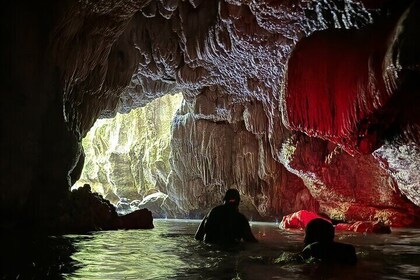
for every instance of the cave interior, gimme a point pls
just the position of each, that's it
(300, 105)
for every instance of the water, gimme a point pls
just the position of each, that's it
(170, 252)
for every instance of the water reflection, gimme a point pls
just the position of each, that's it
(128, 255)
(170, 252)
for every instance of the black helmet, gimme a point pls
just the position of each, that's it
(319, 230)
(232, 197)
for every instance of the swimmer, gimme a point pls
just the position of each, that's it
(225, 224)
(320, 245)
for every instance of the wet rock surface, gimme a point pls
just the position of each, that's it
(250, 119)
(84, 211)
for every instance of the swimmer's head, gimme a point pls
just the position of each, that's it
(319, 230)
(232, 197)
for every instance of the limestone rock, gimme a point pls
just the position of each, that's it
(298, 220)
(364, 227)
(267, 109)
(128, 156)
(212, 152)
(85, 211)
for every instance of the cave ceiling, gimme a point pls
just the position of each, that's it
(131, 52)
(335, 70)
(238, 48)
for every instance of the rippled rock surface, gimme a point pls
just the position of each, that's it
(300, 105)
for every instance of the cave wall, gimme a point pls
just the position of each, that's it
(277, 81)
(219, 144)
(368, 111)
(38, 150)
(127, 157)
(363, 189)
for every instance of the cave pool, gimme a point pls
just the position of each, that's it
(169, 251)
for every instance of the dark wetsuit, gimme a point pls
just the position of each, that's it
(225, 225)
(330, 252)
(320, 244)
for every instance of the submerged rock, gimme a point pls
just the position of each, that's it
(86, 211)
(158, 203)
(364, 227)
(299, 219)
(139, 219)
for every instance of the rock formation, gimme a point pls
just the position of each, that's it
(299, 104)
(128, 156)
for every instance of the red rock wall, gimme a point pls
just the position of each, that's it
(335, 85)
(351, 88)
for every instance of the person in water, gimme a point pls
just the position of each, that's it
(224, 224)
(320, 245)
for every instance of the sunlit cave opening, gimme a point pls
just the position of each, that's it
(127, 158)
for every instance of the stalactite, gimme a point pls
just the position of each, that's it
(278, 95)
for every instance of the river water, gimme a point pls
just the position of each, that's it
(169, 251)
